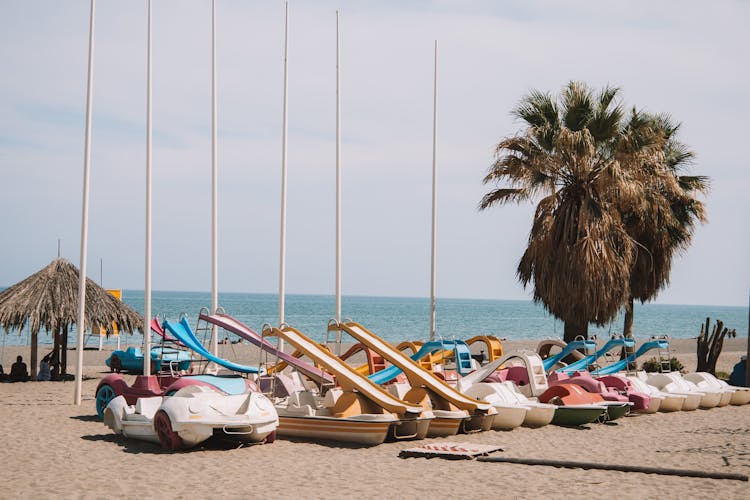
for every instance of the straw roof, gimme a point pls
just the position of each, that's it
(49, 300)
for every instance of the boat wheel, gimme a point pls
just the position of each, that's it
(271, 437)
(104, 395)
(168, 438)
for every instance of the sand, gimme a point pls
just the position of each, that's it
(64, 451)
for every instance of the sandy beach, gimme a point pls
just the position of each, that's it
(55, 449)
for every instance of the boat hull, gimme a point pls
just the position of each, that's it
(710, 400)
(539, 415)
(726, 398)
(410, 429)
(574, 416)
(616, 410)
(509, 417)
(366, 432)
(671, 403)
(445, 426)
(741, 396)
(692, 401)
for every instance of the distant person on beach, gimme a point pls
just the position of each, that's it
(44, 372)
(18, 371)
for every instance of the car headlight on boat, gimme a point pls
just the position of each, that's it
(196, 407)
(262, 403)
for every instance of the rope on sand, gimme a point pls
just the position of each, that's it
(622, 468)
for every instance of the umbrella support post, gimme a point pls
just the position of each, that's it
(33, 361)
(64, 354)
(56, 354)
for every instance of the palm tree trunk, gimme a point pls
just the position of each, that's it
(627, 329)
(574, 329)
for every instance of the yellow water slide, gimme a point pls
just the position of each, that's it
(417, 376)
(345, 375)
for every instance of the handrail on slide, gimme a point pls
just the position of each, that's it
(345, 375)
(416, 375)
(240, 329)
(443, 347)
(623, 363)
(582, 364)
(184, 334)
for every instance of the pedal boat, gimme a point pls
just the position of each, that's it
(358, 411)
(192, 415)
(673, 382)
(705, 380)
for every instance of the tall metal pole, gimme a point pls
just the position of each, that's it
(338, 181)
(284, 129)
(434, 200)
(147, 284)
(747, 355)
(81, 325)
(214, 188)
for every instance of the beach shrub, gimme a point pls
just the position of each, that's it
(654, 365)
(722, 375)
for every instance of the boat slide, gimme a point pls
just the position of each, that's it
(582, 364)
(345, 375)
(243, 331)
(588, 346)
(623, 363)
(417, 377)
(159, 330)
(184, 334)
(443, 348)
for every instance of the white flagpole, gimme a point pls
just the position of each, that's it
(214, 188)
(147, 285)
(81, 325)
(338, 181)
(434, 201)
(282, 245)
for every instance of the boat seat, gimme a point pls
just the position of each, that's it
(304, 400)
(299, 383)
(147, 407)
(329, 401)
(399, 389)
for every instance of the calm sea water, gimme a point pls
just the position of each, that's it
(397, 319)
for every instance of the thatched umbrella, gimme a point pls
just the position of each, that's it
(49, 300)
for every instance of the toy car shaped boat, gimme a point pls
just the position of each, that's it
(192, 415)
(131, 359)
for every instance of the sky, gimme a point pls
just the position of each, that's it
(684, 58)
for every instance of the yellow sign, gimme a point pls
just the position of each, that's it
(116, 293)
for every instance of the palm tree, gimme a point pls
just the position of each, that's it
(584, 163)
(662, 229)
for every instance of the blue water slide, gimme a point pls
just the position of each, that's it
(586, 345)
(623, 363)
(461, 349)
(582, 364)
(184, 334)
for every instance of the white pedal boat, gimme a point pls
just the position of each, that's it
(192, 415)
(704, 380)
(668, 402)
(513, 407)
(673, 382)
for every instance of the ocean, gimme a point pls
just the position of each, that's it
(399, 318)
